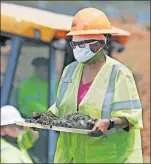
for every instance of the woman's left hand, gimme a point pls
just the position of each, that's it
(100, 125)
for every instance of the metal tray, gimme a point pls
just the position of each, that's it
(70, 130)
(32, 125)
(55, 128)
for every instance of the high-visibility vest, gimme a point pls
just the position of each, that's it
(25, 140)
(113, 93)
(107, 105)
(32, 96)
(10, 154)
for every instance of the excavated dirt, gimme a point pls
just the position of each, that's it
(75, 120)
(44, 118)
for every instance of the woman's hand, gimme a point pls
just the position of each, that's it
(100, 126)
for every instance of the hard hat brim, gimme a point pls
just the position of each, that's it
(121, 32)
(11, 122)
(111, 31)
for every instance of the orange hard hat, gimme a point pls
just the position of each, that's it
(91, 21)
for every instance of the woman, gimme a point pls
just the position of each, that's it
(102, 88)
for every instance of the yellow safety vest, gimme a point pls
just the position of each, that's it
(10, 154)
(25, 140)
(113, 93)
(32, 96)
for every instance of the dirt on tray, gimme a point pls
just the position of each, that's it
(75, 120)
(45, 118)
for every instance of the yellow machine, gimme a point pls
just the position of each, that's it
(27, 33)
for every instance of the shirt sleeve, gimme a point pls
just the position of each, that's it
(126, 102)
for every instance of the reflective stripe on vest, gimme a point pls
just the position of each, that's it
(135, 104)
(66, 80)
(107, 104)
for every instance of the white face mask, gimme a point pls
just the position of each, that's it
(83, 54)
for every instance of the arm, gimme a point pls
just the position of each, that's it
(120, 122)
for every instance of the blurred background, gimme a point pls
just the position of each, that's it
(132, 16)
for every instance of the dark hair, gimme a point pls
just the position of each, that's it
(108, 37)
(40, 61)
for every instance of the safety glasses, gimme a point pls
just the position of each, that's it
(82, 44)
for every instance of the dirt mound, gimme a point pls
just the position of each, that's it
(45, 118)
(75, 120)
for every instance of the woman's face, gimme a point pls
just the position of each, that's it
(86, 49)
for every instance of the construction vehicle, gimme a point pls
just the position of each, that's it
(27, 33)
